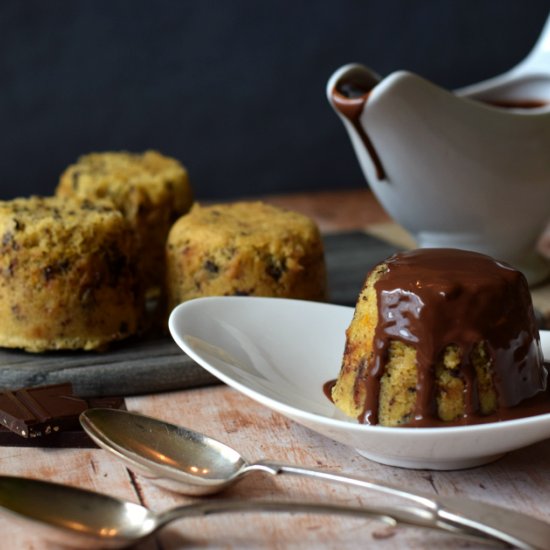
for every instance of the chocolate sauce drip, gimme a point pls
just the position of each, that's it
(351, 94)
(431, 298)
(516, 103)
(349, 97)
(327, 389)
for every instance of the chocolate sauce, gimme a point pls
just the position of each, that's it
(349, 97)
(533, 406)
(516, 104)
(430, 298)
(351, 94)
(327, 389)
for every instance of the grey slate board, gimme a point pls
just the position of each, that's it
(157, 364)
(131, 368)
(349, 257)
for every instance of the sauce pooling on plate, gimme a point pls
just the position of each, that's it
(432, 300)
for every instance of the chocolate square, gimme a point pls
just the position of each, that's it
(47, 416)
(34, 412)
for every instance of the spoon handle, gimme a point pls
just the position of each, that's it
(475, 518)
(390, 515)
(276, 468)
(223, 506)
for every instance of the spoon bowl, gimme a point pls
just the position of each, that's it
(68, 515)
(175, 457)
(86, 519)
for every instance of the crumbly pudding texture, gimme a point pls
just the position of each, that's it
(67, 274)
(246, 249)
(440, 337)
(151, 190)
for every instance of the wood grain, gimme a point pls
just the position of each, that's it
(335, 211)
(90, 469)
(520, 480)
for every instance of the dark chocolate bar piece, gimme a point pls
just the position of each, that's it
(44, 410)
(72, 438)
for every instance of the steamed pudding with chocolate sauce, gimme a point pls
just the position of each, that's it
(440, 337)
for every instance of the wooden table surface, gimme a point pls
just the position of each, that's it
(520, 480)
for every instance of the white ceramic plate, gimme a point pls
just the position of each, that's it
(281, 352)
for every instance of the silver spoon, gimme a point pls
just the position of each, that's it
(186, 461)
(86, 519)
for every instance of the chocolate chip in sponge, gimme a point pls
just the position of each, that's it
(67, 275)
(244, 249)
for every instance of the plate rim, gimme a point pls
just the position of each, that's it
(294, 411)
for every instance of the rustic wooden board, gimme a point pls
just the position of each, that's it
(86, 468)
(520, 480)
(157, 364)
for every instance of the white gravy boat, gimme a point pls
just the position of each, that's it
(469, 169)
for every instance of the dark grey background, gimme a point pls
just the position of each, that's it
(232, 88)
